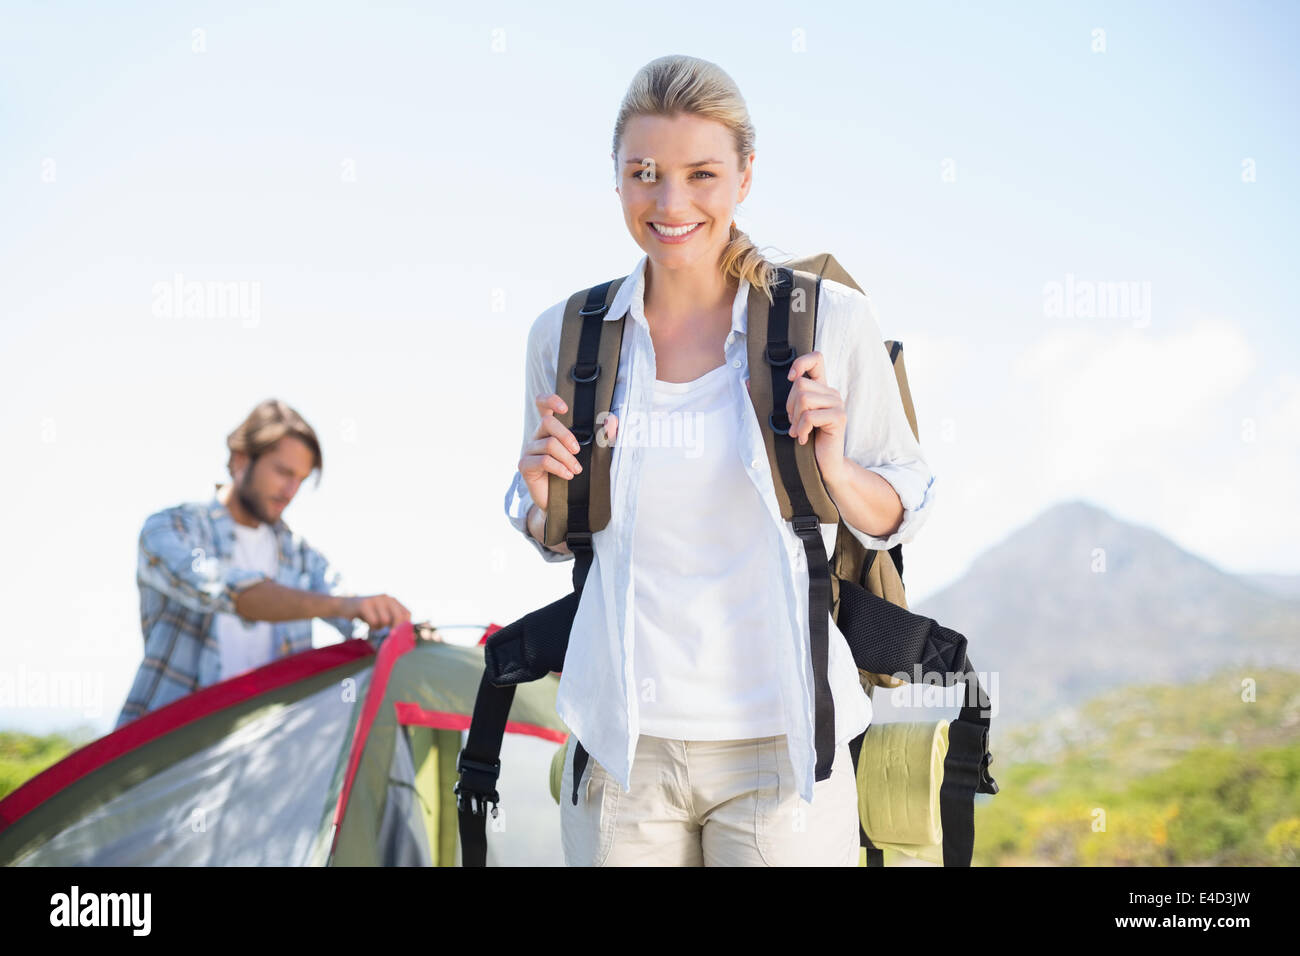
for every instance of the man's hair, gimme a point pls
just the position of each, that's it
(267, 424)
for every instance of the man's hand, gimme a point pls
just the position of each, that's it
(271, 601)
(377, 610)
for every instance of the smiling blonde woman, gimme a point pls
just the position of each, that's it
(687, 677)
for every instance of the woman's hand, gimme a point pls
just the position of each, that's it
(553, 450)
(813, 406)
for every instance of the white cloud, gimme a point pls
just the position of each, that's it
(1114, 385)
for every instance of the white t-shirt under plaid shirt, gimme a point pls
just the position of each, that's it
(248, 644)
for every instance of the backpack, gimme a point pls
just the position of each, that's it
(863, 593)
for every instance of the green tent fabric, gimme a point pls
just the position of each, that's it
(432, 697)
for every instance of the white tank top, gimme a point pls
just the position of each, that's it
(704, 570)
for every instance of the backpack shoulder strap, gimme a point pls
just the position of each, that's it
(776, 334)
(850, 560)
(590, 345)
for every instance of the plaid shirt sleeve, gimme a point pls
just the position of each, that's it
(177, 560)
(326, 579)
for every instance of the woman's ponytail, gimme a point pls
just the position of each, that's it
(742, 259)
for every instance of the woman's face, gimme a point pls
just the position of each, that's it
(680, 206)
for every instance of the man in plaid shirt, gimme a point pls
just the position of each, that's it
(225, 585)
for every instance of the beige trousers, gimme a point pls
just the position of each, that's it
(709, 803)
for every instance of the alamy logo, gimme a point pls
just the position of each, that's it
(102, 909)
(657, 429)
(208, 299)
(1089, 299)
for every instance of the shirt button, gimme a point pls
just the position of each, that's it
(754, 464)
(731, 337)
(735, 363)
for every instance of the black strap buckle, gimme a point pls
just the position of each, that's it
(473, 798)
(986, 784)
(777, 427)
(785, 351)
(583, 379)
(583, 436)
(580, 539)
(806, 523)
(477, 803)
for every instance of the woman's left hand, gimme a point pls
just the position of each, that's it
(815, 408)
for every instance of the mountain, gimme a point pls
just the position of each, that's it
(1077, 602)
(1284, 585)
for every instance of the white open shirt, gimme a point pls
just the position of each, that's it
(596, 698)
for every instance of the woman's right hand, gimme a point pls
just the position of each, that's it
(553, 450)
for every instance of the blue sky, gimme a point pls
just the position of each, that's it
(407, 186)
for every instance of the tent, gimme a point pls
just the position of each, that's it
(342, 755)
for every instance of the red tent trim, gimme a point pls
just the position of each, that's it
(399, 640)
(409, 712)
